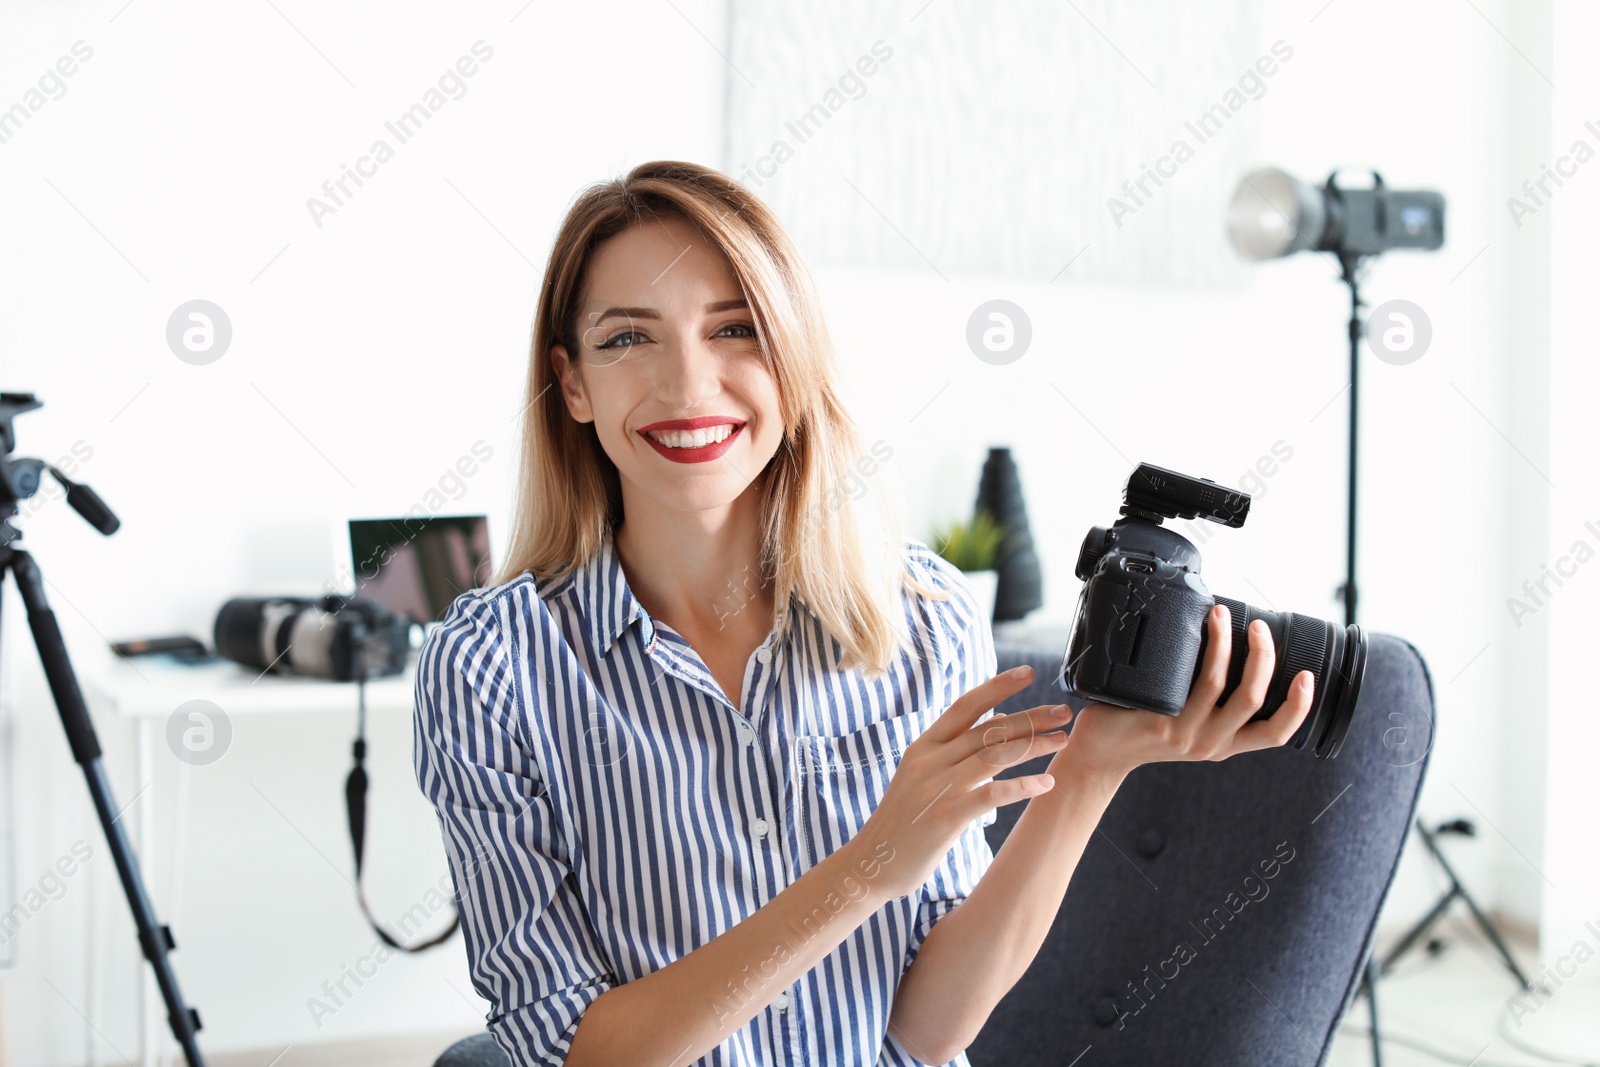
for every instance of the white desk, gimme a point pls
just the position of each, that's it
(149, 691)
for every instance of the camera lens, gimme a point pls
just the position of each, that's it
(1336, 656)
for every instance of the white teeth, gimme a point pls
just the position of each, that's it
(692, 438)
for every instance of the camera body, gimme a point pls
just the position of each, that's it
(1138, 631)
(1139, 636)
(1136, 637)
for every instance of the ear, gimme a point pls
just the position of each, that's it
(571, 384)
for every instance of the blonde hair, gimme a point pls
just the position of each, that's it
(814, 542)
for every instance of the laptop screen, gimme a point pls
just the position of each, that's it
(417, 566)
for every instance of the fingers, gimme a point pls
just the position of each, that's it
(1021, 726)
(990, 747)
(1281, 726)
(970, 706)
(1214, 670)
(1003, 791)
(1258, 667)
(991, 758)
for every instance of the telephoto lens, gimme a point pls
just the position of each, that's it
(1336, 656)
(332, 636)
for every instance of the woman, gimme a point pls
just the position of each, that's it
(707, 755)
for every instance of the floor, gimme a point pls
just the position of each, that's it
(387, 1052)
(1454, 1003)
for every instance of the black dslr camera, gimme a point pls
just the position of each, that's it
(1139, 635)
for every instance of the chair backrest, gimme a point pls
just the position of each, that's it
(479, 1050)
(1222, 912)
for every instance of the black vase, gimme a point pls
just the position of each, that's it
(1019, 589)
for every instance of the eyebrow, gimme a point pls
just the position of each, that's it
(652, 313)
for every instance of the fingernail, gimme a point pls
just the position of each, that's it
(1021, 672)
(1305, 681)
(1216, 611)
(1047, 781)
(1259, 627)
(1060, 711)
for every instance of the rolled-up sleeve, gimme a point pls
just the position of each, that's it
(968, 639)
(531, 948)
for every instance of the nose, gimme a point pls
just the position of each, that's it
(689, 375)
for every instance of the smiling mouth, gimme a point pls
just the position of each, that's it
(692, 438)
(691, 433)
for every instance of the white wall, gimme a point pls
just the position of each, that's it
(1572, 869)
(374, 350)
(388, 340)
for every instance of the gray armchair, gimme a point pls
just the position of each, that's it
(1222, 914)
(479, 1050)
(1173, 947)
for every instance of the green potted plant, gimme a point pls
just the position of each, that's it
(972, 547)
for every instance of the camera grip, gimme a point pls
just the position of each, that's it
(1136, 644)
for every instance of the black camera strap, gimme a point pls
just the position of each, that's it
(355, 798)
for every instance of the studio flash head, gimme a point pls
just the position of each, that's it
(1274, 214)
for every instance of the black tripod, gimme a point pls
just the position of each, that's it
(1457, 891)
(20, 479)
(1349, 273)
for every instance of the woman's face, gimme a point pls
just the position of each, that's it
(669, 369)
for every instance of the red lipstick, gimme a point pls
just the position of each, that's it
(694, 455)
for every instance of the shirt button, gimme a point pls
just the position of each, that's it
(782, 1001)
(760, 827)
(764, 655)
(747, 734)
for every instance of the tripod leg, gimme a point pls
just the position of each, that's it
(1372, 1007)
(1489, 931)
(154, 938)
(1422, 927)
(1457, 889)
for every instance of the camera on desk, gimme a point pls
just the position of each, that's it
(342, 638)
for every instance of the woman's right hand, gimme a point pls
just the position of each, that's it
(941, 784)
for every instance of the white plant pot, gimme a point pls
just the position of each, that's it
(985, 584)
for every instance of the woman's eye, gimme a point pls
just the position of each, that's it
(621, 340)
(741, 329)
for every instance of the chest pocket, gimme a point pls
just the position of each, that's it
(839, 780)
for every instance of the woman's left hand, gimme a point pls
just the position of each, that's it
(1114, 741)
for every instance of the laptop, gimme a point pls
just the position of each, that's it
(417, 566)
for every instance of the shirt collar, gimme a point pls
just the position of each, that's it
(608, 604)
(606, 600)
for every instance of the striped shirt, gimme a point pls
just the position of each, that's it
(606, 810)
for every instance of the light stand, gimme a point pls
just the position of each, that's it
(1274, 214)
(1348, 265)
